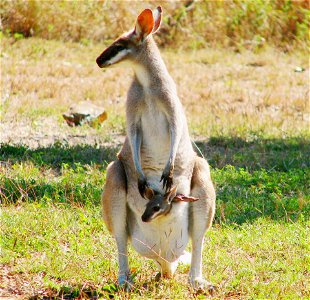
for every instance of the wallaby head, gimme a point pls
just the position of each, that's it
(160, 204)
(128, 46)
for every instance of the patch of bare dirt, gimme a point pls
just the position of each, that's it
(46, 131)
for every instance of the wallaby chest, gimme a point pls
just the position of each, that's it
(155, 136)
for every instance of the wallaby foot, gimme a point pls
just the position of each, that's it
(125, 282)
(201, 285)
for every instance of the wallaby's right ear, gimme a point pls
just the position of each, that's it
(144, 24)
(149, 193)
(157, 18)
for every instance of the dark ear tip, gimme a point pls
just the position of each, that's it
(159, 9)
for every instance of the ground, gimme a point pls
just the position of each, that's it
(248, 114)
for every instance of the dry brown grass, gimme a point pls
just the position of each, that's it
(224, 93)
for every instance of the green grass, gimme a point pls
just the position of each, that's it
(69, 249)
(253, 179)
(54, 237)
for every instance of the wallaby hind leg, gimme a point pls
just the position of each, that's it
(114, 198)
(201, 216)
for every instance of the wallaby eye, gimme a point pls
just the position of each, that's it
(156, 208)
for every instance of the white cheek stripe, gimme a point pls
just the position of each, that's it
(155, 215)
(119, 56)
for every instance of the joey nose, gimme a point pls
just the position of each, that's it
(144, 218)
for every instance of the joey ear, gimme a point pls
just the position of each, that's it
(157, 18)
(149, 193)
(171, 194)
(144, 24)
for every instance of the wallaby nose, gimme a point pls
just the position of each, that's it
(99, 61)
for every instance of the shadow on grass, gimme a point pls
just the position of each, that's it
(270, 154)
(74, 191)
(73, 292)
(260, 178)
(55, 156)
(84, 291)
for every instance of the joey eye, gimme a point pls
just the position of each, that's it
(156, 208)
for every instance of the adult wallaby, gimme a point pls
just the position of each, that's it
(157, 147)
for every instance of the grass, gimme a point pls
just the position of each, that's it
(248, 113)
(232, 94)
(248, 187)
(66, 249)
(55, 243)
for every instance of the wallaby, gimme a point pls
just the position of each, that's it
(157, 148)
(161, 204)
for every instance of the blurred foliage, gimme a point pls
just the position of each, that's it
(186, 24)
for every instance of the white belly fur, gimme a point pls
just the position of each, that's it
(165, 237)
(155, 142)
(155, 149)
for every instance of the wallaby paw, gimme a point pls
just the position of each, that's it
(125, 282)
(167, 178)
(142, 185)
(201, 285)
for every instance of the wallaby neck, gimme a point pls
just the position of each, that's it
(150, 68)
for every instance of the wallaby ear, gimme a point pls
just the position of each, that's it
(157, 18)
(144, 24)
(182, 198)
(149, 193)
(170, 195)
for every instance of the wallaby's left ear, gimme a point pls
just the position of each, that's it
(157, 18)
(144, 24)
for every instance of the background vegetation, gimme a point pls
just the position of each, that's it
(242, 71)
(186, 24)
